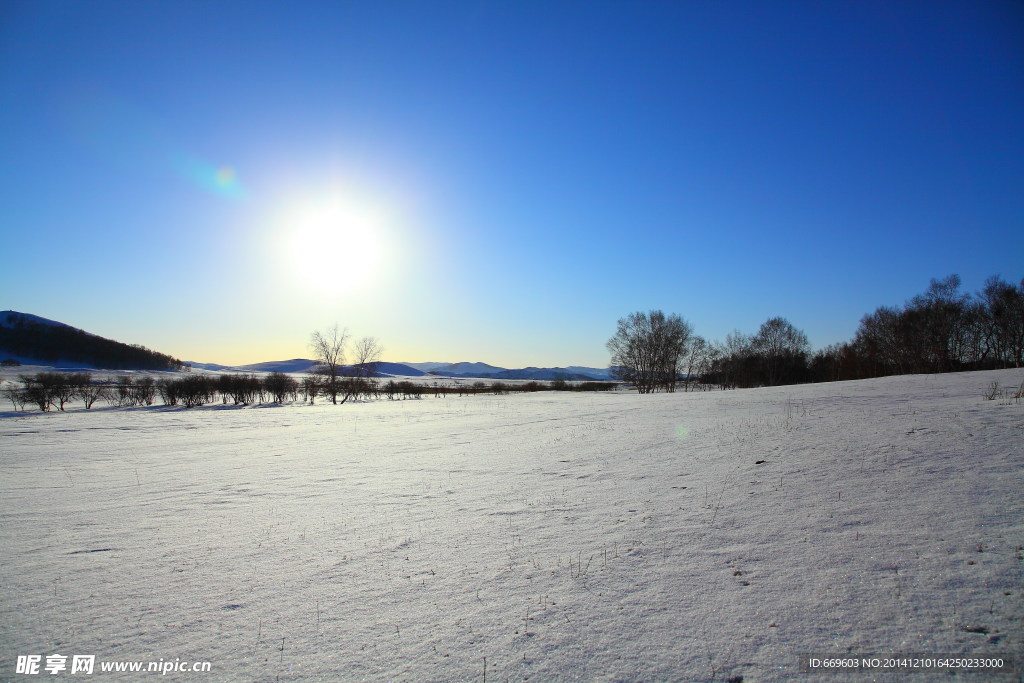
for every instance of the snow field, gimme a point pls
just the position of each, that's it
(559, 536)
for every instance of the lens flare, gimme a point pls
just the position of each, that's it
(225, 176)
(130, 137)
(221, 180)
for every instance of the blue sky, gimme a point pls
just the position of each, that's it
(499, 182)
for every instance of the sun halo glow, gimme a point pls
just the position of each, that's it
(335, 247)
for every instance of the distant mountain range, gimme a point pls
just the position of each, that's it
(307, 365)
(462, 370)
(31, 339)
(485, 371)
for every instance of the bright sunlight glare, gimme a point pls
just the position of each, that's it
(335, 246)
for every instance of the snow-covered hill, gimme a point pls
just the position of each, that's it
(302, 365)
(467, 370)
(483, 370)
(215, 367)
(547, 536)
(293, 365)
(34, 340)
(426, 367)
(15, 318)
(386, 369)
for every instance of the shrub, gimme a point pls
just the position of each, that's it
(596, 386)
(85, 389)
(195, 390)
(16, 396)
(311, 387)
(43, 388)
(122, 393)
(280, 386)
(168, 390)
(144, 391)
(410, 390)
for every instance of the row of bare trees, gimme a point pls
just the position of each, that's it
(776, 354)
(942, 330)
(49, 390)
(658, 352)
(55, 390)
(406, 389)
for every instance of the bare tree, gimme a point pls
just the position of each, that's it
(16, 396)
(730, 362)
(145, 391)
(329, 351)
(85, 389)
(42, 388)
(280, 386)
(367, 354)
(169, 390)
(359, 376)
(940, 315)
(310, 388)
(780, 345)
(122, 392)
(878, 341)
(1003, 320)
(195, 390)
(647, 350)
(698, 356)
(63, 390)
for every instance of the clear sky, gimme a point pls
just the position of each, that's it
(499, 181)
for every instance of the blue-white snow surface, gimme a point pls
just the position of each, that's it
(547, 536)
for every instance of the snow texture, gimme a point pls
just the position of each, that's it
(547, 536)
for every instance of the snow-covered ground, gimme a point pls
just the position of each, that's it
(700, 536)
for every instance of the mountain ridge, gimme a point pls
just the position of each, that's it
(33, 339)
(461, 370)
(29, 338)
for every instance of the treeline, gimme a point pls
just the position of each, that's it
(941, 330)
(22, 336)
(655, 352)
(48, 390)
(776, 354)
(54, 390)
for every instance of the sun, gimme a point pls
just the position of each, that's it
(334, 246)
